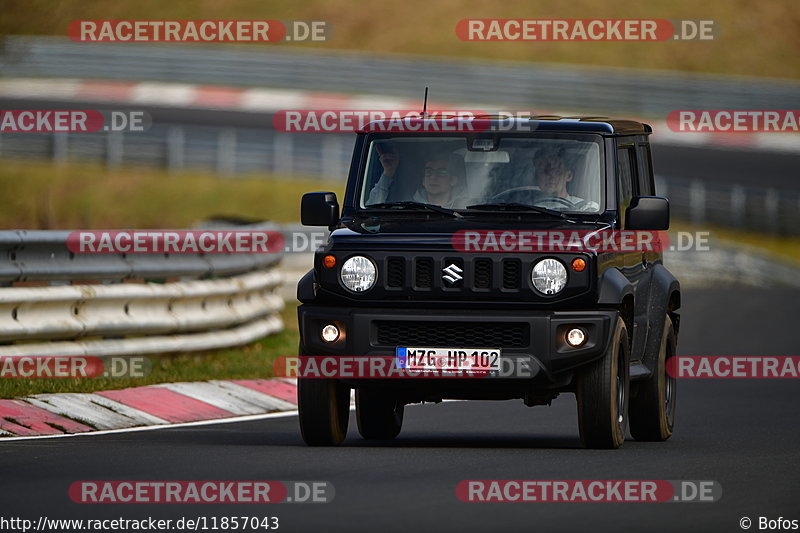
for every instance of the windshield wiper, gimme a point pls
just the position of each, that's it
(516, 206)
(416, 205)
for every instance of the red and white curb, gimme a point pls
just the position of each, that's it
(150, 406)
(190, 95)
(266, 100)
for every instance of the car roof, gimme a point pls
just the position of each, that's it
(548, 123)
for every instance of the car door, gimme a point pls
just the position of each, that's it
(630, 179)
(647, 187)
(627, 188)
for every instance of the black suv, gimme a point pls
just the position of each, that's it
(426, 265)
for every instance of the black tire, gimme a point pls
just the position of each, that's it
(603, 389)
(652, 411)
(324, 409)
(379, 416)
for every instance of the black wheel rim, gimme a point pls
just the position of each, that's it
(670, 386)
(621, 392)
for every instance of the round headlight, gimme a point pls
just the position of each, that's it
(358, 273)
(549, 276)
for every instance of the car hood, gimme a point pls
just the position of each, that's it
(435, 232)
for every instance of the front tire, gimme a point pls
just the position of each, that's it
(653, 408)
(324, 409)
(379, 416)
(602, 392)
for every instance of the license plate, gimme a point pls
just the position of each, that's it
(449, 359)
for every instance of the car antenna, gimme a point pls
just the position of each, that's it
(425, 104)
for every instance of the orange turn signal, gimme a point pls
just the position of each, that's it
(578, 264)
(329, 261)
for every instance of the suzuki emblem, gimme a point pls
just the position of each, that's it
(452, 273)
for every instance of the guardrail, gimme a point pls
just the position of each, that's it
(768, 210)
(227, 151)
(530, 85)
(43, 256)
(327, 156)
(118, 304)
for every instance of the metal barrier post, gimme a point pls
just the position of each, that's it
(697, 201)
(282, 153)
(175, 143)
(226, 152)
(738, 202)
(114, 149)
(60, 147)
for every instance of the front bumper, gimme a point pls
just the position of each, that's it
(533, 338)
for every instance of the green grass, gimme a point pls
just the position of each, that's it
(755, 39)
(39, 195)
(248, 362)
(784, 248)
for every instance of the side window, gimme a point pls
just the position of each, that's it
(626, 176)
(646, 184)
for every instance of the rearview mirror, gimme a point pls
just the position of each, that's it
(319, 209)
(500, 156)
(647, 213)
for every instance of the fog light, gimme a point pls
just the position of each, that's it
(330, 333)
(576, 337)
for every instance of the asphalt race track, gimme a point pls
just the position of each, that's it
(742, 433)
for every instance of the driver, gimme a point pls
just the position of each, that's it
(552, 175)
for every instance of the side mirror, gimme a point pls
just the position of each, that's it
(319, 209)
(647, 213)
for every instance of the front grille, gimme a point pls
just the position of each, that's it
(423, 277)
(480, 276)
(452, 334)
(511, 273)
(483, 273)
(396, 272)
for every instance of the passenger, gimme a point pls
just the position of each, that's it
(438, 185)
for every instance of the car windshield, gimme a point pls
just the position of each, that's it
(558, 172)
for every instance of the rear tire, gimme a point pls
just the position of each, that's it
(602, 392)
(379, 415)
(653, 408)
(324, 409)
